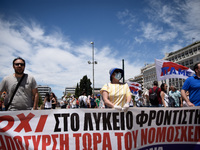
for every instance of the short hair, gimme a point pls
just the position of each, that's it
(196, 66)
(155, 83)
(20, 59)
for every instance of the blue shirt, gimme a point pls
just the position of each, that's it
(192, 84)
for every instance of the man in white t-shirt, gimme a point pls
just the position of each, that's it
(83, 98)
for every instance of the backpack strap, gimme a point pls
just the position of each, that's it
(156, 90)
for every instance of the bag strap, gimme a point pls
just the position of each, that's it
(156, 90)
(7, 106)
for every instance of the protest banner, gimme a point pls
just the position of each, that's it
(134, 87)
(166, 69)
(101, 129)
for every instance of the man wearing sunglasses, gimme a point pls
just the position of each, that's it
(26, 96)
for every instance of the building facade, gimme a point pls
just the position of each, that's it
(71, 90)
(43, 89)
(187, 56)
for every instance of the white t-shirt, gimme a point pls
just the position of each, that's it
(84, 98)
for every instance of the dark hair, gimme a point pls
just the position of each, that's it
(20, 59)
(47, 96)
(162, 87)
(196, 66)
(155, 83)
(54, 96)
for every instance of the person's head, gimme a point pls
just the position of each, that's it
(155, 83)
(47, 96)
(19, 65)
(116, 74)
(173, 88)
(52, 95)
(163, 87)
(83, 93)
(140, 92)
(197, 69)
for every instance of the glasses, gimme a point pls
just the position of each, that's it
(21, 64)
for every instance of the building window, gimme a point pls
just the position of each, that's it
(179, 56)
(191, 61)
(186, 63)
(195, 49)
(183, 55)
(186, 53)
(190, 52)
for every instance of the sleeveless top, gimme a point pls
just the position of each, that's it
(47, 104)
(166, 99)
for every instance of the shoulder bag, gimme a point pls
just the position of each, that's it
(7, 106)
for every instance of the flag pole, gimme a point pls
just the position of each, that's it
(123, 70)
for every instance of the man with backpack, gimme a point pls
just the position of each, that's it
(83, 100)
(154, 95)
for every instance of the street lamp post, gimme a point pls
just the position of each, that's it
(93, 62)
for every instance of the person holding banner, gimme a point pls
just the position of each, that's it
(192, 84)
(115, 94)
(21, 88)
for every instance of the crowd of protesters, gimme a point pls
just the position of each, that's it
(22, 94)
(72, 102)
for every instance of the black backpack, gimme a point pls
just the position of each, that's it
(153, 97)
(82, 103)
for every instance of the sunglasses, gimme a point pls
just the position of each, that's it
(117, 71)
(21, 64)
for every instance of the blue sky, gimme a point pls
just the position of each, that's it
(54, 36)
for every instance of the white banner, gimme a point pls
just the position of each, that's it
(97, 129)
(166, 69)
(134, 87)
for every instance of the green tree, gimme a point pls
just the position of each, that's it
(77, 90)
(40, 102)
(85, 85)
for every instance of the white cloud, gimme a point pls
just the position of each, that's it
(171, 48)
(179, 16)
(53, 59)
(126, 18)
(155, 33)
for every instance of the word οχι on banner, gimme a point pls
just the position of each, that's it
(166, 69)
(134, 87)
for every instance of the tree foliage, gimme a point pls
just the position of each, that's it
(40, 102)
(85, 86)
(77, 90)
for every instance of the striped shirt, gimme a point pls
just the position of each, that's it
(117, 93)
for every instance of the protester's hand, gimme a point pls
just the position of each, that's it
(190, 104)
(118, 107)
(34, 108)
(126, 107)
